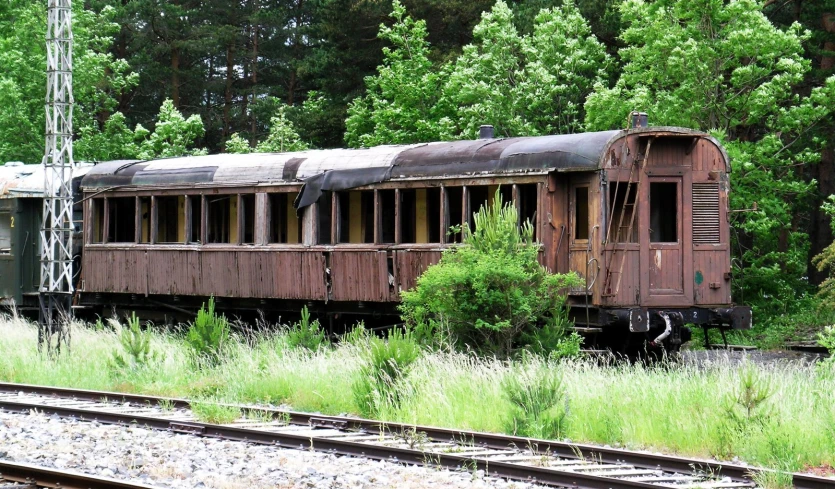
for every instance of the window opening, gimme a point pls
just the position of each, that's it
(122, 217)
(170, 222)
(324, 218)
(663, 212)
(5, 233)
(196, 218)
(454, 201)
(581, 213)
(356, 216)
(526, 195)
(387, 217)
(97, 213)
(145, 219)
(621, 212)
(285, 226)
(218, 217)
(478, 196)
(247, 202)
(408, 229)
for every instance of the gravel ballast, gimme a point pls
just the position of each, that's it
(167, 459)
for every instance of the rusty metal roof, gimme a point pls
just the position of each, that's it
(19, 180)
(339, 169)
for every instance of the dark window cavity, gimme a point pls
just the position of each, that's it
(122, 219)
(663, 212)
(169, 219)
(581, 213)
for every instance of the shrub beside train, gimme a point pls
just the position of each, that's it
(639, 214)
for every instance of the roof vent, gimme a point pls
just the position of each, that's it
(13, 163)
(485, 132)
(638, 119)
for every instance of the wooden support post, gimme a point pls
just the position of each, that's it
(378, 218)
(398, 235)
(189, 226)
(335, 224)
(204, 219)
(152, 232)
(444, 214)
(262, 219)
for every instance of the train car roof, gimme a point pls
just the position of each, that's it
(340, 169)
(19, 180)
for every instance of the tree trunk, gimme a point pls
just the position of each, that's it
(175, 76)
(227, 100)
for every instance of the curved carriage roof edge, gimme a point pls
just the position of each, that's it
(341, 169)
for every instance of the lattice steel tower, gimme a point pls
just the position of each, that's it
(56, 233)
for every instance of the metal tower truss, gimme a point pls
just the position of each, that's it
(57, 228)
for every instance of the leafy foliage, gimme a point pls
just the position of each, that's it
(402, 102)
(173, 135)
(209, 333)
(99, 76)
(490, 289)
(136, 346)
(826, 261)
(306, 333)
(522, 84)
(539, 403)
(385, 362)
(526, 84)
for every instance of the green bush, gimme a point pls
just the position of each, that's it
(539, 403)
(209, 333)
(306, 333)
(555, 338)
(385, 362)
(490, 289)
(136, 347)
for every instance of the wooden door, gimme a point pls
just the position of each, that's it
(666, 242)
(582, 231)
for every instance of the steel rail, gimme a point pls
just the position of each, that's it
(495, 441)
(37, 476)
(527, 473)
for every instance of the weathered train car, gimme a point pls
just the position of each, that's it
(21, 210)
(640, 214)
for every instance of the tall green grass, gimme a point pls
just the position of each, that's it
(696, 411)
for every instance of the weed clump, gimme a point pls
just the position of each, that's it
(209, 333)
(306, 333)
(539, 404)
(491, 289)
(136, 348)
(211, 412)
(746, 410)
(385, 363)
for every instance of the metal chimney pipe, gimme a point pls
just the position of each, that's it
(638, 119)
(485, 132)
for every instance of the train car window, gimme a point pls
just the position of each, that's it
(621, 209)
(97, 220)
(285, 226)
(122, 217)
(170, 219)
(5, 233)
(247, 203)
(663, 212)
(356, 216)
(145, 219)
(408, 228)
(195, 218)
(218, 218)
(387, 217)
(526, 203)
(581, 213)
(420, 215)
(324, 217)
(454, 203)
(478, 197)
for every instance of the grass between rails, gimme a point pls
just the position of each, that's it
(779, 417)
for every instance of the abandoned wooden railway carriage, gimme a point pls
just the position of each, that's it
(640, 214)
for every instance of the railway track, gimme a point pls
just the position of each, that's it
(541, 461)
(27, 476)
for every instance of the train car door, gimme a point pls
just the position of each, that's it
(666, 242)
(583, 233)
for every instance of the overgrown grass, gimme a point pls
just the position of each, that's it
(778, 416)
